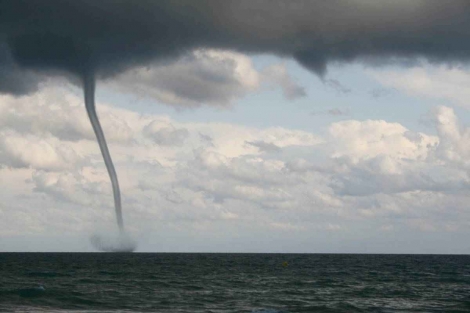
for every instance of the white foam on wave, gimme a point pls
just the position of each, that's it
(120, 242)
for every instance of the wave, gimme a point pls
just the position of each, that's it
(47, 274)
(37, 291)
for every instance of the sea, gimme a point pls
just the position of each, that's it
(252, 283)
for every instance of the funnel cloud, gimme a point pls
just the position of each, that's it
(89, 90)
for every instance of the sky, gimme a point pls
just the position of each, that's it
(242, 146)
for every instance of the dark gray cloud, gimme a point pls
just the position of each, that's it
(200, 77)
(13, 78)
(108, 36)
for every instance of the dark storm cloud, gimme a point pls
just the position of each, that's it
(14, 79)
(108, 36)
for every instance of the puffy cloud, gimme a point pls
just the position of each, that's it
(32, 151)
(70, 187)
(371, 138)
(453, 145)
(379, 157)
(278, 75)
(165, 135)
(264, 146)
(56, 111)
(53, 111)
(189, 177)
(390, 176)
(445, 83)
(202, 77)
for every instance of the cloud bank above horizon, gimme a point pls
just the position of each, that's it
(227, 180)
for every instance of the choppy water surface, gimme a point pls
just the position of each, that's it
(264, 283)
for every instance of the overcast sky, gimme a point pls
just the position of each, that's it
(248, 151)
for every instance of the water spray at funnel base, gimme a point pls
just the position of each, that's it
(123, 242)
(109, 243)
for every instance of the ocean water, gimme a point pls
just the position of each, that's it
(258, 283)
